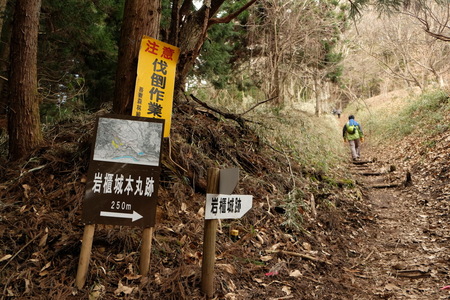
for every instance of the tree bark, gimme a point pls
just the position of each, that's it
(191, 36)
(2, 11)
(141, 17)
(24, 125)
(5, 48)
(318, 110)
(187, 32)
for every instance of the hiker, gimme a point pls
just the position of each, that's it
(352, 132)
(337, 112)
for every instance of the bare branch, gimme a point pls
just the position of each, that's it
(230, 17)
(236, 117)
(256, 105)
(438, 36)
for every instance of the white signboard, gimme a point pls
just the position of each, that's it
(220, 206)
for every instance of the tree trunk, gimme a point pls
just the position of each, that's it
(187, 32)
(191, 36)
(2, 12)
(141, 17)
(318, 99)
(5, 47)
(23, 118)
(274, 68)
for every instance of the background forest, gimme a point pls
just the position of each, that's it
(285, 51)
(256, 86)
(327, 53)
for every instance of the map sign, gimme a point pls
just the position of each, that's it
(123, 175)
(128, 141)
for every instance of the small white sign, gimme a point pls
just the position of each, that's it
(220, 206)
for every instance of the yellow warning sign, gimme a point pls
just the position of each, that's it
(153, 95)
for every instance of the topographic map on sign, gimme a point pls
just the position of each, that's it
(128, 141)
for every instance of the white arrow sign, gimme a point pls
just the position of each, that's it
(219, 206)
(134, 216)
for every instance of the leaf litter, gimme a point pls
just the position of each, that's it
(346, 247)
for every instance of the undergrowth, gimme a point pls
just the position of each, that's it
(300, 136)
(310, 140)
(422, 115)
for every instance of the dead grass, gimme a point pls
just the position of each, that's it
(42, 199)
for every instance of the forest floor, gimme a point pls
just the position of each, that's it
(404, 252)
(384, 237)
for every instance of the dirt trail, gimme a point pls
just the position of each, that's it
(403, 253)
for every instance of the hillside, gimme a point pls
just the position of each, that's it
(306, 237)
(403, 254)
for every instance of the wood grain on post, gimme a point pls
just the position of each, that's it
(85, 255)
(146, 249)
(209, 240)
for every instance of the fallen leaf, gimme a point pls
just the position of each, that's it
(306, 246)
(201, 212)
(231, 286)
(119, 257)
(6, 257)
(295, 273)
(276, 246)
(227, 268)
(260, 238)
(286, 289)
(130, 268)
(158, 279)
(230, 296)
(47, 265)
(126, 290)
(266, 257)
(27, 286)
(132, 276)
(258, 280)
(26, 190)
(97, 292)
(43, 240)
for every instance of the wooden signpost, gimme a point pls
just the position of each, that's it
(209, 239)
(123, 175)
(219, 206)
(123, 180)
(85, 255)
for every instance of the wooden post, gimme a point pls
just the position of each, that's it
(146, 249)
(85, 255)
(209, 240)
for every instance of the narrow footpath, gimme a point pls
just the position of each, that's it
(403, 251)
